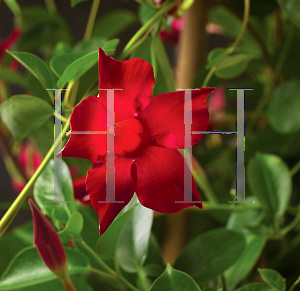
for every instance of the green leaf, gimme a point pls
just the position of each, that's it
(59, 63)
(13, 77)
(254, 246)
(77, 68)
(75, 223)
(75, 2)
(291, 8)
(284, 110)
(134, 239)
(210, 254)
(90, 45)
(42, 29)
(44, 191)
(164, 81)
(90, 232)
(174, 280)
(231, 26)
(273, 279)
(269, 180)
(110, 47)
(113, 23)
(23, 113)
(143, 51)
(36, 66)
(106, 245)
(255, 287)
(233, 66)
(27, 269)
(145, 12)
(82, 64)
(215, 56)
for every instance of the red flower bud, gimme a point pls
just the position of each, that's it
(48, 244)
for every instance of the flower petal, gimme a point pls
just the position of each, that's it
(124, 188)
(160, 180)
(80, 191)
(89, 115)
(164, 116)
(135, 77)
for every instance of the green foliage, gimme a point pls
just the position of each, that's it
(24, 113)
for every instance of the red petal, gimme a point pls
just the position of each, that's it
(165, 117)
(48, 243)
(160, 180)
(80, 191)
(136, 79)
(124, 189)
(89, 115)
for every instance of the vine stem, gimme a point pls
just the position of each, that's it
(235, 43)
(168, 5)
(16, 205)
(297, 282)
(68, 285)
(268, 92)
(91, 20)
(295, 169)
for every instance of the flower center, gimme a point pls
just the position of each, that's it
(131, 137)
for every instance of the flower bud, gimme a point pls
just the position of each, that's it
(48, 244)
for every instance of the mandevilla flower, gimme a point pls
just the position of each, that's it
(48, 244)
(148, 132)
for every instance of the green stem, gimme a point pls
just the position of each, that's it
(91, 20)
(16, 205)
(268, 92)
(234, 44)
(68, 285)
(51, 7)
(295, 169)
(100, 273)
(121, 278)
(97, 258)
(168, 5)
(289, 227)
(297, 282)
(142, 279)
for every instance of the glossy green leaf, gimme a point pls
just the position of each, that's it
(75, 223)
(269, 180)
(143, 51)
(255, 287)
(174, 280)
(77, 68)
(12, 77)
(27, 269)
(134, 239)
(273, 279)
(291, 8)
(56, 285)
(232, 66)
(145, 12)
(210, 254)
(35, 66)
(59, 63)
(164, 81)
(106, 245)
(215, 56)
(110, 46)
(90, 45)
(44, 191)
(90, 231)
(23, 113)
(240, 221)
(284, 110)
(75, 2)
(113, 23)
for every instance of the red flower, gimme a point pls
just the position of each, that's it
(148, 132)
(80, 191)
(48, 244)
(10, 41)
